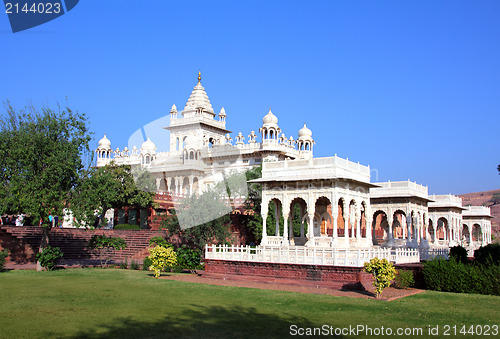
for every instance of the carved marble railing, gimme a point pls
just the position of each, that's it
(310, 255)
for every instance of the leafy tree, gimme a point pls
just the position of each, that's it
(110, 186)
(42, 153)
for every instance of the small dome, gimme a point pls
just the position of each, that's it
(105, 143)
(148, 145)
(305, 132)
(270, 118)
(222, 112)
(173, 109)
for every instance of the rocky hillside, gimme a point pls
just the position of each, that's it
(487, 198)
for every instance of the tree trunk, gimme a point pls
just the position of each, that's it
(43, 243)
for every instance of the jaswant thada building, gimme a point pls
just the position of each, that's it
(338, 205)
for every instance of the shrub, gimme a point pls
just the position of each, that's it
(159, 241)
(383, 273)
(188, 258)
(134, 265)
(404, 279)
(3, 258)
(454, 276)
(49, 256)
(146, 263)
(459, 253)
(124, 264)
(161, 258)
(488, 255)
(106, 246)
(127, 227)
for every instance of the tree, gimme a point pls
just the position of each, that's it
(42, 153)
(498, 168)
(111, 186)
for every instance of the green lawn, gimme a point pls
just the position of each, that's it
(112, 303)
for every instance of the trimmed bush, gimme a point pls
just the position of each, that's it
(488, 255)
(106, 246)
(127, 227)
(49, 256)
(383, 273)
(3, 258)
(453, 276)
(404, 279)
(161, 258)
(459, 253)
(188, 258)
(146, 263)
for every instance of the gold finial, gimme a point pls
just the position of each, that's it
(199, 76)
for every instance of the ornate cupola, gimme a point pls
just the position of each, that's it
(148, 152)
(173, 112)
(270, 129)
(222, 114)
(305, 142)
(103, 151)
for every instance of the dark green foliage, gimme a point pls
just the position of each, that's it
(214, 231)
(188, 258)
(105, 246)
(404, 279)
(111, 186)
(134, 265)
(41, 157)
(124, 264)
(48, 257)
(146, 263)
(488, 255)
(453, 276)
(3, 258)
(159, 241)
(459, 253)
(127, 227)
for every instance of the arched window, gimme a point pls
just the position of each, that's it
(184, 142)
(307, 146)
(191, 155)
(177, 144)
(147, 160)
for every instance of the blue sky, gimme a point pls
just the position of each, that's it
(411, 88)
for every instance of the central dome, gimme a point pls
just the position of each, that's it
(270, 118)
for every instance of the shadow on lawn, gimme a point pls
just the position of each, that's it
(202, 322)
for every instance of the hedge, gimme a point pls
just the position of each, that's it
(453, 276)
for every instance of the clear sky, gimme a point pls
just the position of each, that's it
(411, 88)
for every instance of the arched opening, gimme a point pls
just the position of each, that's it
(147, 160)
(195, 185)
(306, 146)
(274, 219)
(323, 211)
(298, 209)
(431, 231)
(442, 229)
(380, 228)
(477, 234)
(399, 225)
(341, 226)
(185, 186)
(363, 219)
(352, 219)
(177, 144)
(184, 142)
(191, 155)
(465, 235)
(173, 187)
(211, 142)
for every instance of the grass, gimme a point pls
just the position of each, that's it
(112, 303)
